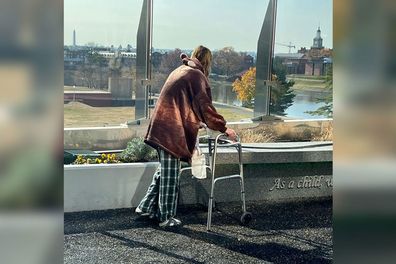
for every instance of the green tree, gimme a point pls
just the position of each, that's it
(282, 95)
(327, 108)
(227, 62)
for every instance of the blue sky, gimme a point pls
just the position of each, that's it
(188, 23)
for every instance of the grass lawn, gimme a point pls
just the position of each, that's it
(232, 114)
(80, 88)
(308, 83)
(81, 115)
(77, 114)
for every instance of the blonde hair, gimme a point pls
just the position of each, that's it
(204, 55)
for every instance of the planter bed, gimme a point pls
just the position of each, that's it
(270, 174)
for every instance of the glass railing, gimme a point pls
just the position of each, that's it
(100, 62)
(228, 28)
(108, 81)
(302, 64)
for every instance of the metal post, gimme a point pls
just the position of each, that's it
(143, 57)
(265, 51)
(148, 55)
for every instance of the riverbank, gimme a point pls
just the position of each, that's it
(308, 83)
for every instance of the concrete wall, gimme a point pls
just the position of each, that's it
(96, 99)
(110, 186)
(121, 87)
(100, 187)
(102, 138)
(264, 182)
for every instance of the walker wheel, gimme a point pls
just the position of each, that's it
(246, 218)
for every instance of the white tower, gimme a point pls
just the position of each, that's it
(74, 38)
(318, 41)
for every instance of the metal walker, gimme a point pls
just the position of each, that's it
(213, 145)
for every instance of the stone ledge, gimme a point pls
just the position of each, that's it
(289, 152)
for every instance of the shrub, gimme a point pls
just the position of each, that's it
(138, 151)
(326, 134)
(104, 158)
(260, 135)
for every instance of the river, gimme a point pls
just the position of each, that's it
(303, 101)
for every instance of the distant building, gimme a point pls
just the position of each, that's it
(317, 57)
(122, 54)
(295, 62)
(318, 60)
(129, 55)
(248, 60)
(314, 61)
(73, 56)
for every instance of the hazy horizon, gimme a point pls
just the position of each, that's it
(174, 26)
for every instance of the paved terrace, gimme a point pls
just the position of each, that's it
(293, 232)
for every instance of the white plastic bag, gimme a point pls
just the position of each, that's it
(198, 163)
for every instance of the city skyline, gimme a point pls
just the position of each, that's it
(297, 22)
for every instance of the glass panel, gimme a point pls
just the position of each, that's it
(229, 28)
(303, 60)
(100, 62)
(143, 71)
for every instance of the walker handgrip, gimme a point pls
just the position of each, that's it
(227, 141)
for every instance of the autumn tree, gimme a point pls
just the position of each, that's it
(281, 95)
(246, 87)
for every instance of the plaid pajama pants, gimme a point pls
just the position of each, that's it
(161, 197)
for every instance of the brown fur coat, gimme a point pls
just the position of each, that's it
(184, 102)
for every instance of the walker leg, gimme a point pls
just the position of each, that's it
(210, 205)
(242, 180)
(243, 195)
(210, 209)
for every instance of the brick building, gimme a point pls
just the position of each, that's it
(313, 61)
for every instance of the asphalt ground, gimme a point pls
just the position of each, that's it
(292, 232)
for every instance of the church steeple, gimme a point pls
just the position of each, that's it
(318, 41)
